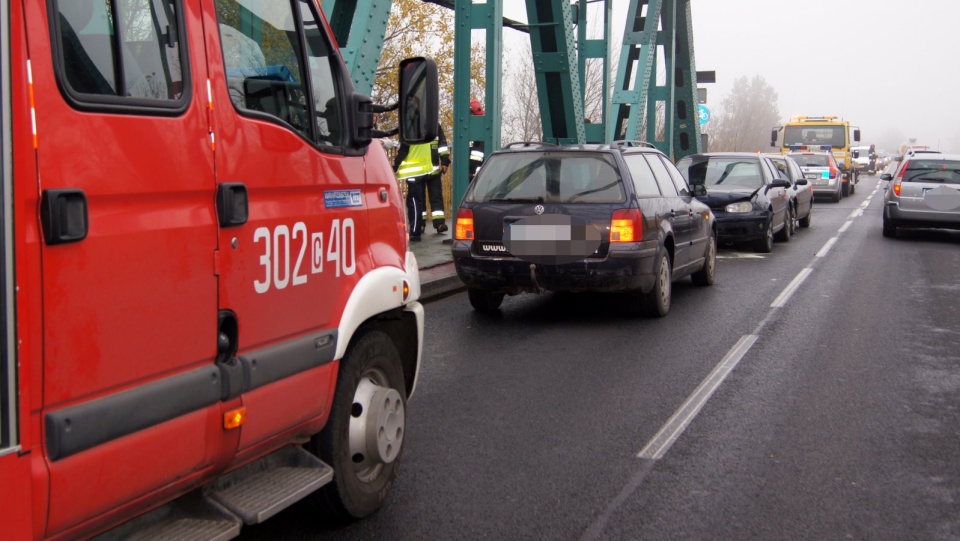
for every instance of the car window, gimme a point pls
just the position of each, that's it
(137, 57)
(643, 180)
(811, 160)
(721, 171)
(677, 178)
(264, 60)
(795, 173)
(558, 177)
(662, 176)
(835, 136)
(941, 171)
(781, 167)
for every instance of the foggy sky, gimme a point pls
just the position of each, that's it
(890, 67)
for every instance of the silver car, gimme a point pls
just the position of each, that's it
(925, 193)
(823, 171)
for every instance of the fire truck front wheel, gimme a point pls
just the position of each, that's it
(363, 439)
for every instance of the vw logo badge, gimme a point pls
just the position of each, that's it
(538, 209)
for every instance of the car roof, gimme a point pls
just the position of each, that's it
(725, 155)
(939, 156)
(615, 146)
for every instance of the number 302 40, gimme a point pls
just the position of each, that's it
(283, 244)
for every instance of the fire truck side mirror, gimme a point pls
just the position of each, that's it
(419, 100)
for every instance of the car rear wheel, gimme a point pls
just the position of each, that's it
(838, 196)
(889, 228)
(765, 245)
(363, 439)
(657, 302)
(805, 221)
(704, 276)
(787, 231)
(485, 301)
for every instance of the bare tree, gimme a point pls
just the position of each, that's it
(747, 114)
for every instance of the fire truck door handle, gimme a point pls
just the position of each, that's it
(232, 204)
(63, 213)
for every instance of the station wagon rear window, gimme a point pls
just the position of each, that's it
(942, 171)
(555, 177)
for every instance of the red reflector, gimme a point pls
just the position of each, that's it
(464, 228)
(626, 225)
(903, 170)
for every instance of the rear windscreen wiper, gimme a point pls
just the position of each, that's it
(538, 199)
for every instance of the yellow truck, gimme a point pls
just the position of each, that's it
(821, 134)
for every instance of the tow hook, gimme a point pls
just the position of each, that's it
(533, 278)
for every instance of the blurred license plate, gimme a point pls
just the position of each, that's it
(540, 232)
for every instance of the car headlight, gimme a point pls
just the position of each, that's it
(739, 207)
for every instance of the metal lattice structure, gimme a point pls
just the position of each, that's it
(656, 31)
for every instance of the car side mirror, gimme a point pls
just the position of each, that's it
(419, 100)
(886, 176)
(802, 182)
(780, 183)
(699, 190)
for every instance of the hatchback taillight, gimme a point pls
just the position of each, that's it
(899, 179)
(626, 226)
(464, 228)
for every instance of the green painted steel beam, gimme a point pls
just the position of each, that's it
(359, 27)
(637, 65)
(468, 17)
(686, 119)
(555, 64)
(595, 131)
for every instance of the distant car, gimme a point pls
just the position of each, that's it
(925, 193)
(822, 170)
(746, 193)
(801, 193)
(615, 217)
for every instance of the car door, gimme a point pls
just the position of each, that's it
(804, 192)
(125, 173)
(677, 212)
(292, 252)
(699, 225)
(778, 196)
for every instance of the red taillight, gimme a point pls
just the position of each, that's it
(833, 170)
(626, 226)
(464, 228)
(899, 179)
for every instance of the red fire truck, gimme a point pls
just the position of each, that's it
(209, 309)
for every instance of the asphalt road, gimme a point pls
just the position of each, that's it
(747, 413)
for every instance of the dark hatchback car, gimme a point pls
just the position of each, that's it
(747, 194)
(800, 191)
(615, 217)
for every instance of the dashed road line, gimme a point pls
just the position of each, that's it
(826, 247)
(791, 288)
(846, 225)
(669, 433)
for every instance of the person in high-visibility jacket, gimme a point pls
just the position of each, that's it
(423, 166)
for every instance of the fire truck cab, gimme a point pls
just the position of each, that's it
(209, 308)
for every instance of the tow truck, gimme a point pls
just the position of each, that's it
(821, 133)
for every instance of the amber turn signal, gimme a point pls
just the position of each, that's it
(234, 418)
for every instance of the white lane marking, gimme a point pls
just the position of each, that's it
(661, 442)
(846, 225)
(826, 247)
(865, 203)
(791, 288)
(856, 213)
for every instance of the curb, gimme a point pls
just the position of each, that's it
(438, 281)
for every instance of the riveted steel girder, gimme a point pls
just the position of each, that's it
(598, 49)
(555, 65)
(652, 24)
(359, 27)
(466, 127)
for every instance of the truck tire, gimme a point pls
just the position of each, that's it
(363, 439)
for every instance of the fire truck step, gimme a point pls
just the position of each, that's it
(190, 518)
(262, 489)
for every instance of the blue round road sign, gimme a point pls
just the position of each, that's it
(704, 114)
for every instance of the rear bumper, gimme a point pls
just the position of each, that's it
(629, 267)
(922, 218)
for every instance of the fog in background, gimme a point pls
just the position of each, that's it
(890, 67)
